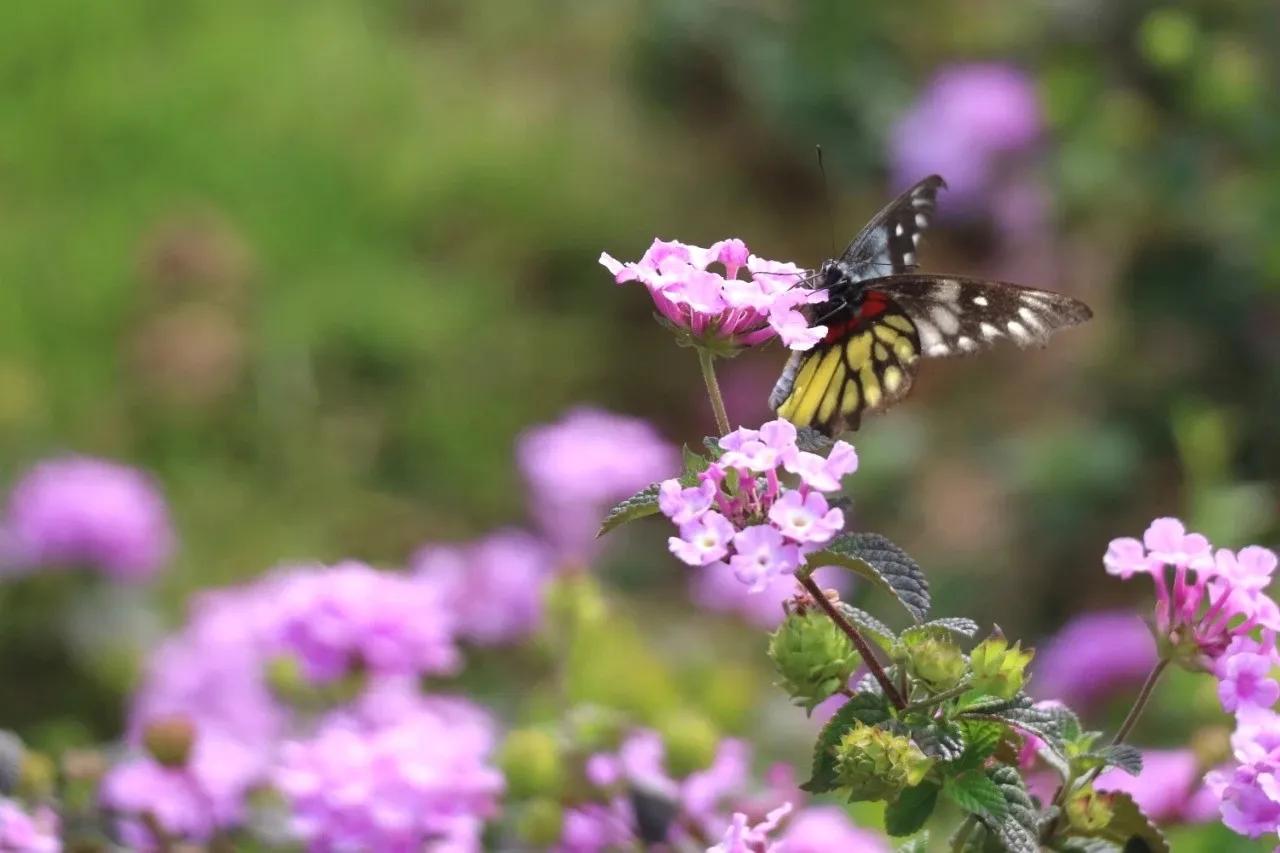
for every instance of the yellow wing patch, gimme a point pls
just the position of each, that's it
(870, 369)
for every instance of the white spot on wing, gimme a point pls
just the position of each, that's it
(1031, 318)
(989, 331)
(928, 333)
(898, 229)
(1019, 331)
(947, 290)
(922, 221)
(966, 343)
(980, 301)
(908, 258)
(938, 349)
(946, 319)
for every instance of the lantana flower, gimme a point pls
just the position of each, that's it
(1213, 599)
(739, 513)
(1249, 792)
(746, 302)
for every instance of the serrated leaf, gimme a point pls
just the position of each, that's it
(1044, 723)
(908, 813)
(981, 737)
(974, 792)
(1122, 755)
(877, 559)
(938, 739)
(942, 627)
(640, 505)
(1018, 831)
(866, 708)
(919, 844)
(712, 444)
(871, 627)
(694, 463)
(1129, 827)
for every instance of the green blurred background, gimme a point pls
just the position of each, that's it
(316, 264)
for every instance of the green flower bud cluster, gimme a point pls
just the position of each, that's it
(690, 740)
(531, 761)
(935, 660)
(998, 668)
(875, 764)
(1088, 810)
(813, 656)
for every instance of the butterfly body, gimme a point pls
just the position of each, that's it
(882, 317)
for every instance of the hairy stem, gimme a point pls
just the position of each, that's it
(1140, 704)
(864, 649)
(929, 702)
(707, 362)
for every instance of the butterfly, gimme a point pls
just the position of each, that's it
(882, 317)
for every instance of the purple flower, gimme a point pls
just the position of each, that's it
(820, 829)
(493, 587)
(762, 555)
(718, 588)
(806, 518)
(719, 308)
(1168, 789)
(338, 618)
(1249, 792)
(190, 802)
(83, 511)
(704, 540)
(1244, 673)
(35, 832)
(1211, 600)
(1093, 655)
(398, 773)
(740, 513)
(577, 467)
(741, 837)
(966, 122)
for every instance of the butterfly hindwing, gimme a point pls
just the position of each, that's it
(865, 363)
(887, 245)
(957, 316)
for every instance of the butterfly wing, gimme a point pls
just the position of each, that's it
(958, 316)
(887, 245)
(865, 362)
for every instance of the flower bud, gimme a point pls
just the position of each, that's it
(540, 823)
(875, 764)
(169, 740)
(937, 662)
(1089, 810)
(998, 668)
(690, 740)
(530, 759)
(814, 658)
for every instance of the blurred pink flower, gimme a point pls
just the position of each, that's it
(1092, 656)
(579, 466)
(1248, 793)
(968, 119)
(720, 309)
(1245, 673)
(494, 587)
(717, 588)
(80, 511)
(742, 837)
(350, 616)
(1167, 790)
(33, 832)
(393, 774)
(820, 829)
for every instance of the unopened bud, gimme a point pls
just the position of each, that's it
(998, 668)
(875, 764)
(531, 761)
(813, 656)
(169, 740)
(690, 740)
(1089, 810)
(937, 662)
(540, 823)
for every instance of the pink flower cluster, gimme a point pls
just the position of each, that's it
(80, 511)
(398, 772)
(1217, 611)
(1214, 597)
(721, 307)
(35, 832)
(741, 514)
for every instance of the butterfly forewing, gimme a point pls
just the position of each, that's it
(957, 316)
(889, 242)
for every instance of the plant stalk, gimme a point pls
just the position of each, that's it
(707, 361)
(1140, 704)
(958, 690)
(859, 643)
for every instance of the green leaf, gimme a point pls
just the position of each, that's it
(867, 708)
(981, 738)
(942, 627)
(919, 844)
(712, 444)
(938, 739)
(871, 627)
(1044, 723)
(643, 503)
(975, 792)
(877, 559)
(908, 813)
(1018, 831)
(1122, 755)
(694, 463)
(1129, 827)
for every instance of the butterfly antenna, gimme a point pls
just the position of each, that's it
(826, 197)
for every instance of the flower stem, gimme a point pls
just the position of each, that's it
(868, 656)
(707, 361)
(958, 690)
(1139, 704)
